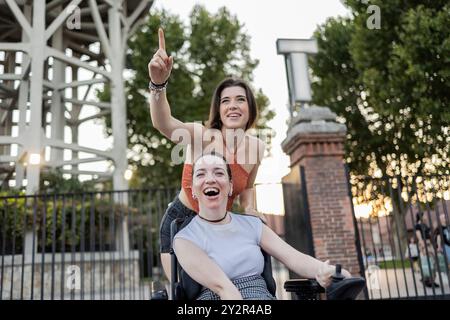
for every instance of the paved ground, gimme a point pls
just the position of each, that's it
(381, 283)
(390, 283)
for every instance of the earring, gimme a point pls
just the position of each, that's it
(231, 192)
(194, 196)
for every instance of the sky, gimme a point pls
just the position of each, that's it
(265, 22)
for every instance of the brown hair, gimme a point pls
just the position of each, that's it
(215, 154)
(214, 121)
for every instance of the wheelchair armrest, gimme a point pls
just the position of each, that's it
(159, 295)
(346, 289)
(304, 289)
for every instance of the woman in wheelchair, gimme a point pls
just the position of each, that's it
(221, 250)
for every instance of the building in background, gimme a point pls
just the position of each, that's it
(53, 54)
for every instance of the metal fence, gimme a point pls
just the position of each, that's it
(387, 211)
(87, 246)
(98, 245)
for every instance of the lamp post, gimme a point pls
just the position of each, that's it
(296, 53)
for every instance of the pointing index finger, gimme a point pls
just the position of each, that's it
(162, 41)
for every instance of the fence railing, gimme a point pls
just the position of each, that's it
(404, 257)
(87, 246)
(98, 245)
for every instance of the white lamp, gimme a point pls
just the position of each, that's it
(128, 174)
(34, 159)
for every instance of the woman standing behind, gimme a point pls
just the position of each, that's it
(233, 111)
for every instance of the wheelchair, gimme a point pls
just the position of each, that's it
(183, 287)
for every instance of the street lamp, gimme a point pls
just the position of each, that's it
(296, 52)
(34, 159)
(128, 174)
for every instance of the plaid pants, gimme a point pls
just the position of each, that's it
(251, 288)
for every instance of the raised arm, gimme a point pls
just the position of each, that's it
(159, 69)
(205, 271)
(302, 264)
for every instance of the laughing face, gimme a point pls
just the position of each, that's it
(234, 110)
(211, 184)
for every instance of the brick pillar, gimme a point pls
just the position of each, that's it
(315, 141)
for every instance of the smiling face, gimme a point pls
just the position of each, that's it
(234, 110)
(210, 182)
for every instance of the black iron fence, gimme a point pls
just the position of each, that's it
(98, 245)
(403, 224)
(104, 245)
(91, 246)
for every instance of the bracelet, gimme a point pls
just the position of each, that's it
(157, 87)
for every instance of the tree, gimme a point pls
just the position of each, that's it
(389, 86)
(211, 48)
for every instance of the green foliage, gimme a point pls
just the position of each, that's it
(390, 86)
(54, 182)
(68, 216)
(84, 222)
(212, 47)
(397, 264)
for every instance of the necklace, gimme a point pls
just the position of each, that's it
(218, 220)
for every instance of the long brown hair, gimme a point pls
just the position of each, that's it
(214, 121)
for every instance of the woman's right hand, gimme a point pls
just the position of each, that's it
(325, 273)
(160, 65)
(323, 276)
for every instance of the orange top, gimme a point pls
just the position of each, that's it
(238, 175)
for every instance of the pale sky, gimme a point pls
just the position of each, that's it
(265, 22)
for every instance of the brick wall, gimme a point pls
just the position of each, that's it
(333, 233)
(330, 211)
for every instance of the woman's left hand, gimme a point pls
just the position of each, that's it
(253, 212)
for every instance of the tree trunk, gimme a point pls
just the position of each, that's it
(398, 227)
